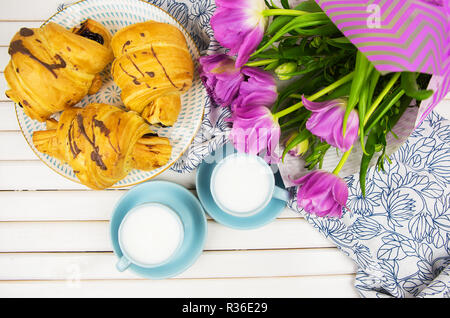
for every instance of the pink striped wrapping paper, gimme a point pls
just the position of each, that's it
(400, 35)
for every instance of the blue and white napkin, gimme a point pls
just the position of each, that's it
(399, 234)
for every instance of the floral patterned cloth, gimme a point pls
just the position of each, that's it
(399, 234)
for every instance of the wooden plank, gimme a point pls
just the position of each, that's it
(94, 236)
(211, 264)
(32, 175)
(3, 88)
(35, 175)
(4, 57)
(28, 9)
(78, 205)
(8, 119)
(15, 147)
(288, 287)
(54, 236)
(8, 29)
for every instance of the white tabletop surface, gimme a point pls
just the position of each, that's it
(54, 234)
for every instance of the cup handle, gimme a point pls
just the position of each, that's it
(123, 264)
(280, 194)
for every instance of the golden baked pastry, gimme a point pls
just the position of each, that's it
(52, 68)
(102, 143)
(153, 67)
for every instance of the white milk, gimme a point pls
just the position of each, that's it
(242, 184)
(151, 234)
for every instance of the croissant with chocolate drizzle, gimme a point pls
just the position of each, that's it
(153, 67)
(52, 68)
(102, 143)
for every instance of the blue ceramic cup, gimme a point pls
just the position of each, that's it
(263, 170)
(187, 209)
(130, 256)
(261, 216)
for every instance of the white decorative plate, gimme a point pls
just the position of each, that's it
(114, 15)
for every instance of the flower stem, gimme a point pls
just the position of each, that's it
(317, 95)
(379, 99)
(291, 12)
(342, 161)
(292, 121)
(391, 103)
(261, 62)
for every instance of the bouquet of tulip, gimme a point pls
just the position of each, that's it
(336, 96)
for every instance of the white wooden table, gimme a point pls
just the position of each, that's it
(54, 234)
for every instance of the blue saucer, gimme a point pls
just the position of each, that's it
(265, 216)
(188, 208)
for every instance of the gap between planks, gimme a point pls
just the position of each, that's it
(205, 251)
(178, 278)
(208, 218)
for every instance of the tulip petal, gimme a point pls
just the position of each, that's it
(236, 87)
(258, 89)
(322, 193)
(326, 122)
(239, 26)
(249, 45)
(321, 106)
(340, 192)
(304, 179)
(227, 88)
(255, 130)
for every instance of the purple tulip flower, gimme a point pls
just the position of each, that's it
(326, 122)
(254, 131)
(322, 193)
(239, 26)
(221, 78)
(258, 88)
(236, 87)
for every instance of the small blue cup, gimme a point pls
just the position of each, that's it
(275, 191)
(126, 260)
(188, 209)
(260, 217)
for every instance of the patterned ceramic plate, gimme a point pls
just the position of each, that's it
(114, 15)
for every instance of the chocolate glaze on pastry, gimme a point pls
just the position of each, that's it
(52, 68)
(86, 33)
(103, 151)
(153, 68)
(18, 47)
(26, 32)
